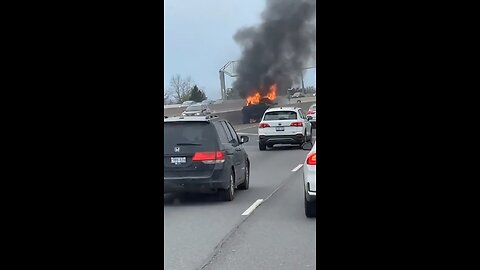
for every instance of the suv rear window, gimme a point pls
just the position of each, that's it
(201, 134)
(280, 115)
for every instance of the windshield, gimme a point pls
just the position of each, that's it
(194, 108)
(280, 115)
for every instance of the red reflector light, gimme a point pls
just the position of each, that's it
(203, 156)
(312, 159)
(263, 125)
(296, 124)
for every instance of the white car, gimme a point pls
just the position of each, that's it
(284, 125)
(312, 115)
(196, 110)
(310, 182)
(187, 103)
(298, 95)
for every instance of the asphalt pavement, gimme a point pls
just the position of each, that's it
(201, 232)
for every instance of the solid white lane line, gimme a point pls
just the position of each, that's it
(298, 167)
(252, 207)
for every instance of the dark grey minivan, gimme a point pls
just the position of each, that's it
(204, 154)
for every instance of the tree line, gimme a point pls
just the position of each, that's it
(183, 89)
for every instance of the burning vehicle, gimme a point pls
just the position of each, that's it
(274, 54)
(256, 104)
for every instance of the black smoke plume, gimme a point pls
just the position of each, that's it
(278, 49)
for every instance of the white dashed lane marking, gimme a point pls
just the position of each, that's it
(298, 167)
(252, 207)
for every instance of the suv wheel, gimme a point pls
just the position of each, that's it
(228, 194)
(262, 146)
(245, 185)
(310, 210)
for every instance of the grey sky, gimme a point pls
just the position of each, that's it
(198, 39)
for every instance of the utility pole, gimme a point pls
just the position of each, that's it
(303, 85)
(223, 71)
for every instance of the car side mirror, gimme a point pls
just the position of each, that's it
(307, 146)
(243, 139)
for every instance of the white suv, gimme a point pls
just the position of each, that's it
(284, 125)
(310, 181)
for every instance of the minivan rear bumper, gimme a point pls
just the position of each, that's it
(219, 180)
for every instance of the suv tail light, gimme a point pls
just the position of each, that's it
(296, 124)
(209, 157)
(312, 159)
(310, 112)
(263, 125)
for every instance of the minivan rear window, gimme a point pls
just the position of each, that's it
(199, 134)
(280, 115)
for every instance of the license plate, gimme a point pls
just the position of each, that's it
(178, 160)
(280, 129)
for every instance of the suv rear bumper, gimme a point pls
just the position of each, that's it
(286, 139)
(219, 180)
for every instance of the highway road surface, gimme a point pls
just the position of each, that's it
(262, 228)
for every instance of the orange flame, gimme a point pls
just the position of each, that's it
(256, 97)
(272, 93)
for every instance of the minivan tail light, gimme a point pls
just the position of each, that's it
(312, 159)
(263, 125)
(209, 157)
(296, 124)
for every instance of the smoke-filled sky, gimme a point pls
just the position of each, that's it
(199, 39)
(278, 49)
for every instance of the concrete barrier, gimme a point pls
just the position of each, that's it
(235, 117)
(232, 111)
(231, 105)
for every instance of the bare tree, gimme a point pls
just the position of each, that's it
(180, 88)
(166, 97)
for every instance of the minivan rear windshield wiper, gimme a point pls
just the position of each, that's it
(188, 143)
